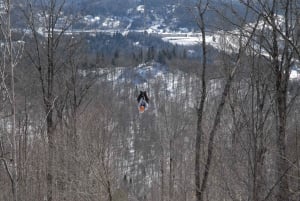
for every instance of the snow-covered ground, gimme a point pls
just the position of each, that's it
(190, 39)
(185, 41)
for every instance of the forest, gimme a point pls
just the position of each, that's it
(223, 122)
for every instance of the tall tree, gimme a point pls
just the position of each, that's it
(48, 28)
(243, 42)
(11, 53)
(281, 45)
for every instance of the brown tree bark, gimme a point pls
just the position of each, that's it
(200, 109)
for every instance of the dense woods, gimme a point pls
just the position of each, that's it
(223, 124)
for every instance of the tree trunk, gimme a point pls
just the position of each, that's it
(282, 163)
(49, 110)
(281, 77)
(171, 166)
(200, 109)
(49, 102)
(162, 178)
(212, 134)
(50, 132)
(13, 106)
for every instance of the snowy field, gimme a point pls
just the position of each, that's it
(185, 41)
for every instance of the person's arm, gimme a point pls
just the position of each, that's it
(139, 98)
(146, 98)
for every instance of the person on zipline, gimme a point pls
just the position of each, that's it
(143, 101)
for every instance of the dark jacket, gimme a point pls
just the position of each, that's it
(143, 95)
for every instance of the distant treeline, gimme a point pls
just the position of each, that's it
(133, 48)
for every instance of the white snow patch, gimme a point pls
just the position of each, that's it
(185, 41)
(295, 75)
(140, 8)
(111, 23)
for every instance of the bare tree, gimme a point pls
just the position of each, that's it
(11, 52)
(281, 45)
(47, 58)
(243, 42)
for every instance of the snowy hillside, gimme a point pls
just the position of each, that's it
(143, 76)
